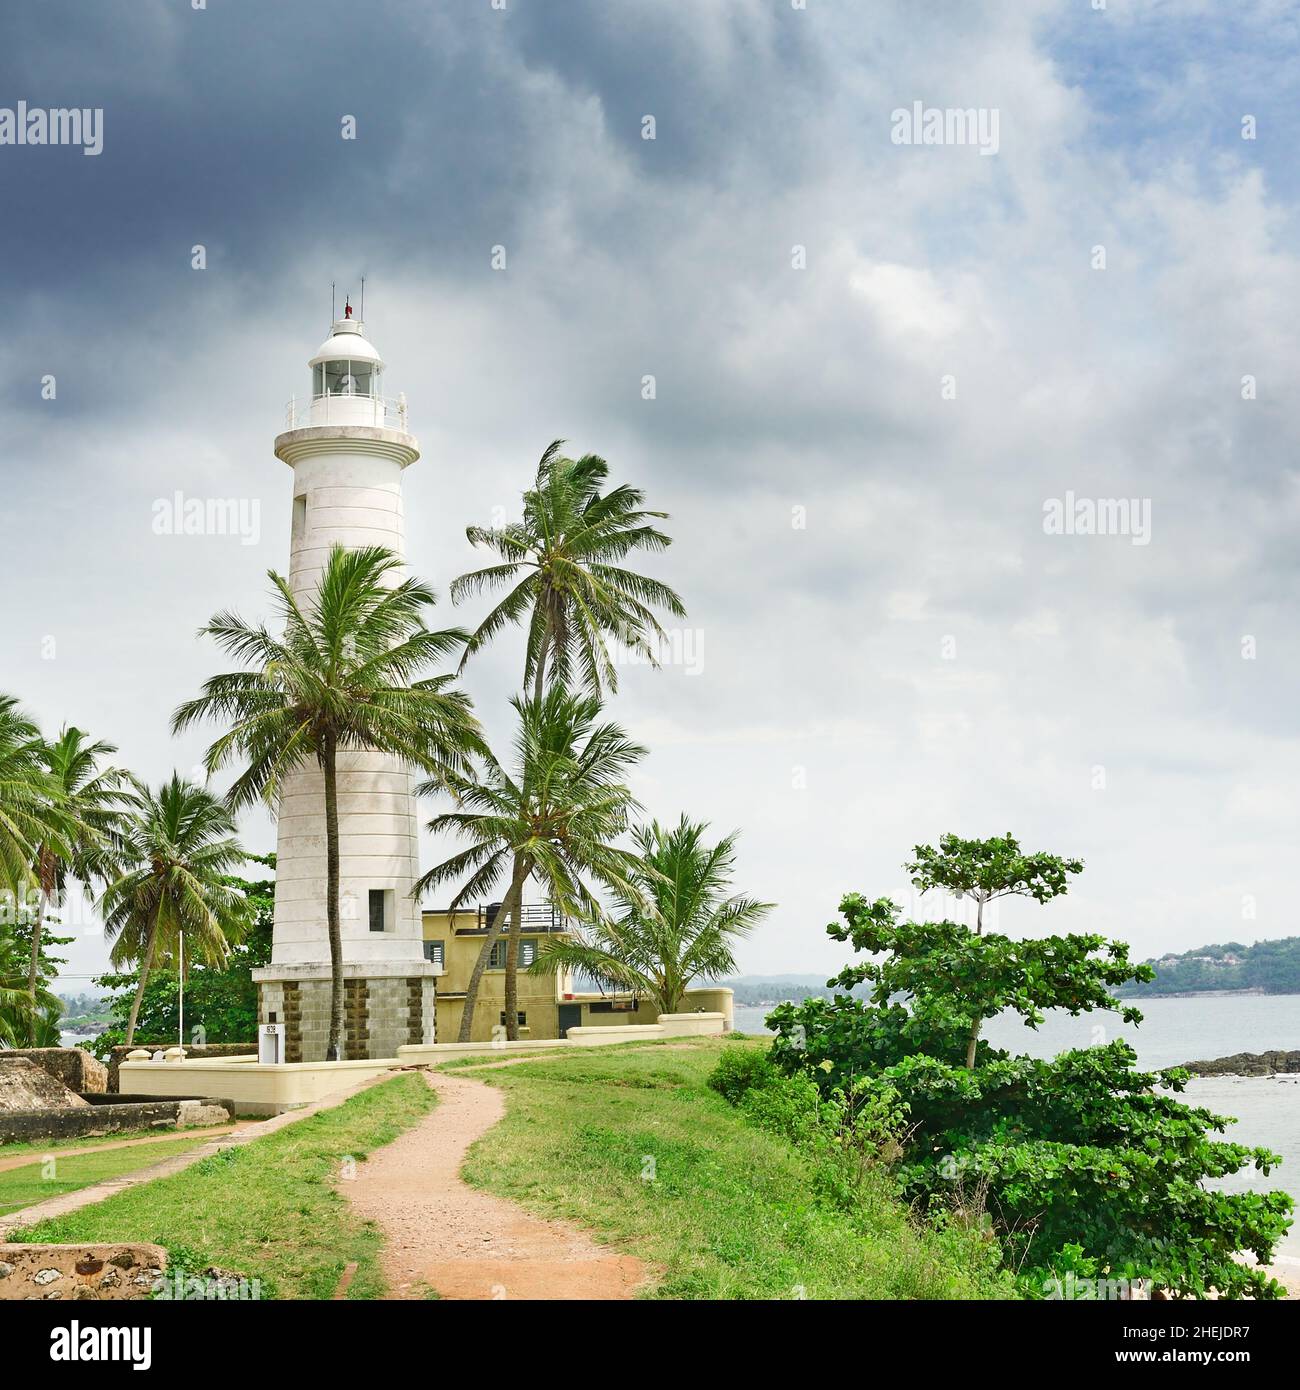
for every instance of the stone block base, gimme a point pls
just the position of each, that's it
(65, 1272)
(380, 1014)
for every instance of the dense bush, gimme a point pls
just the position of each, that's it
(1079, 1163)
(738, 1069)
(851, 1143)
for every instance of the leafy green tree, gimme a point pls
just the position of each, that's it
(556, 816)
(341, 675)
(89, 798)
(177, 847)
(986, 870)
(220, 998)
(563, 566)
(1089, 1167)
(27, 1018)
(683, 925)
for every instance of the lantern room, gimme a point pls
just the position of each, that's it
(346, 383)
(346, 364)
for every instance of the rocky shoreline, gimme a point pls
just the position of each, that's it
(1248, 1064)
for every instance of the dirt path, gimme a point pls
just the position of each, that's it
(444, 1235)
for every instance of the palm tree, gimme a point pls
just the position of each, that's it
(556, 816)
(563, 563)
(88, 800)
(28, 803)
(176, 847)
(340, 676)
(690, 934)
(562, 560)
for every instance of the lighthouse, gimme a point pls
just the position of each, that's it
(347, 445)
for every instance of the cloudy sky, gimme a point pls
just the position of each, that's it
(877, 366)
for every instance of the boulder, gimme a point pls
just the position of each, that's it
(26, 1086)
(74, 1066)
(1248, 1064)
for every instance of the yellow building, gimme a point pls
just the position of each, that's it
(548, 1004)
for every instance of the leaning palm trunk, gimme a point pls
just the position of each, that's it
(329, 759)
(146, 961)
(45, 876)
(509, 909)
(516, 917)
(512, 973)
(34, 965)
(972, 1041)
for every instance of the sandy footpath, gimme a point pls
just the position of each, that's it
(444, 1235)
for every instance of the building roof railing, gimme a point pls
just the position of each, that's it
(534, 917)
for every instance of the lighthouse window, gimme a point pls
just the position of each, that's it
(318, 380)
(378, 909)
(347, 378)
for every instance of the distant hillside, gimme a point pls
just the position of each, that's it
(1268, 967)
(775, 989)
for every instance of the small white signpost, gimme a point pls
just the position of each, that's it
(270, 1043)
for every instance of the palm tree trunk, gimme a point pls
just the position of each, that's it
(145, 961)
(539, 681)
(516, 917)
(512, 970)
(34, 964)
(509, 908)
(973, 1040)
(329, 763)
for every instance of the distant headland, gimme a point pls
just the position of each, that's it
(1267, 967)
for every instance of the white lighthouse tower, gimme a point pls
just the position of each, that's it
(348, 446)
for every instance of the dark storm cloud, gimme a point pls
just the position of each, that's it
(828, 718)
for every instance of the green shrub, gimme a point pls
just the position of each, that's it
(790, 1106)
(739, 1069)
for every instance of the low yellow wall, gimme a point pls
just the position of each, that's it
(257, 1088)
(417, 1054)
(690, 1025)
(713, 1001)
(629, 1032)
(695, 1001)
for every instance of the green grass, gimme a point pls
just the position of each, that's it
(489, 1054)
(25, 1186)
(41, 1147)
(267, 1209)
(730, 1212)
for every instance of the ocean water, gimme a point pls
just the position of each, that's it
(1173, 1031)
